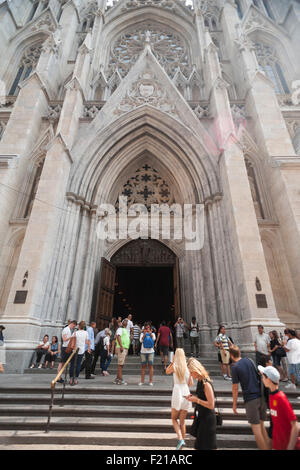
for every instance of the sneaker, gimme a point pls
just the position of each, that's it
(151, 384)
(122, 382)
(40, 366)
(61, 381)
(291, 385)
(32, 366)
(141, 383)
(180, 444)
(116, 381)
(226, 377)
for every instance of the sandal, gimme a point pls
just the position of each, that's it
(71, 382)
(75, 382)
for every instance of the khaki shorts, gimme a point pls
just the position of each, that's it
(225, 356)
(121, 356)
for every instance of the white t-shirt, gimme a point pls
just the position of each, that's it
(106, 343)
(45, 345)
(129, 326)
(293, 355)
(66, 331)
(147, 350)
(262, 342)
(81, 337)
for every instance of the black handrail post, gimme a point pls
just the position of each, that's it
(50, 409)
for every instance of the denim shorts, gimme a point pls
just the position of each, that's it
(147, 358)
(294, 369)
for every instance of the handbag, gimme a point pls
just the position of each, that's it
(280, 352)
(194, 426)
(219, 417)
(71, 345)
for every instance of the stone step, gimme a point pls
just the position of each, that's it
(105, 410)
(113, 424)
(113, 440)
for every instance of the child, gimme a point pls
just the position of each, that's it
(285, 425)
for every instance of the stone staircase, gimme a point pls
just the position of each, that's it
(98, 413)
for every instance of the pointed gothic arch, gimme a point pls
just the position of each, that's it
(145, 129)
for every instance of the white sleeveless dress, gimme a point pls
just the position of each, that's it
(179, 391)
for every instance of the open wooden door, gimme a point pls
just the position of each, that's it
(106, 291)
(177, 311)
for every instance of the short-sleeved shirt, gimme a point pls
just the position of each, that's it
(282, 415)
(81, 337)
(66, 331)
(224, 340)
(136, 332)
(180, 330)
(194, 330)
(165, 333)
(293, 355)
(243, 372)
(91, 335)
(262, 342)
(106, 343)
(44, 345)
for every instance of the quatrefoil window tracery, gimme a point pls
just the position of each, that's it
(147, 187)
(169, 49)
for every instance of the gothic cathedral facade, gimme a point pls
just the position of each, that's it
(164, 102)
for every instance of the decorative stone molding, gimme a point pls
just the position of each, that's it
(238, 112)
(92, 109)
(147, 90)
(201, 110)
(255, 20)
(7, 102)
(54, 110)
(8, 160)
(2, 128)
(285, 162)
(295, 98)
(45, 22)
(79, 200)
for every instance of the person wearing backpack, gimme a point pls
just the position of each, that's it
(147, 340)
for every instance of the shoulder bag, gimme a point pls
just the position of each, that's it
(71, 345)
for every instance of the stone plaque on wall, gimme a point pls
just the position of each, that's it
(261, 301)
(20, 297)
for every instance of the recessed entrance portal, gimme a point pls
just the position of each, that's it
(141, 278)
(147, 293)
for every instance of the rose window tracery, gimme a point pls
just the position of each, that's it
(169, 49)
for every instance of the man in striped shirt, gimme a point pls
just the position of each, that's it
(136, 339)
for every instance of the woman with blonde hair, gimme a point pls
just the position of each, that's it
(180, 406)
(205, 407)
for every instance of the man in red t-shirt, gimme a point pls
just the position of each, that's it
(285, 435)
(165, 340)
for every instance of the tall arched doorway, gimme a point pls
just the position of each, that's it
(141, 278)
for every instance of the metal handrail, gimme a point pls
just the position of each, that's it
(53, 383)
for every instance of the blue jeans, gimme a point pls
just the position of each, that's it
(105, 360)
(78, 365)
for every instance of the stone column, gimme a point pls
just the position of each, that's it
(273, 138)
(39, 244)
(244, 233)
